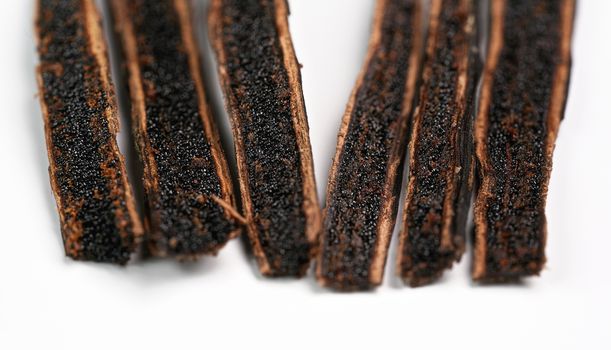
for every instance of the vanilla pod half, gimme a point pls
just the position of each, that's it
(189, 196)
(88, 177)
(262, 84)
(441, 147)
(522, 102)
(366, 174)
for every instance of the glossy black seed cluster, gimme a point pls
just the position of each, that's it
(375, 128)
(442, 149)
(516, 138)
(259, 83)
(185, 220)
(87, 170)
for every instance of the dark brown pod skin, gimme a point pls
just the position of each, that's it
(189, 197)
(522, 102)
(365, 178)
(262, 84)
(441, 147)
(94, 199)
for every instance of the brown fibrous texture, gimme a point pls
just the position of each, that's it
(189, 198)
(365, 176)
(88, 177)
(262, 84)
(522, 102)
(441, 147)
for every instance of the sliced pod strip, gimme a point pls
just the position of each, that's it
(365, 178)
(88, 177)
(189, 197)
(441, 147)
(262, 84)
(522, 102)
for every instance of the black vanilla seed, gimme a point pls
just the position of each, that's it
(366, 174)
(441, 147)
(94, 199)
(522, 102)
(189, 197)
(262, 84)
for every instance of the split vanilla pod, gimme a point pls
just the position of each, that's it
(190, 207)
(364, 184)
(261, 80)
(441, 165)
(88, 176)
(522, 102)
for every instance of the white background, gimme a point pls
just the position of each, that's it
(50, 302)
